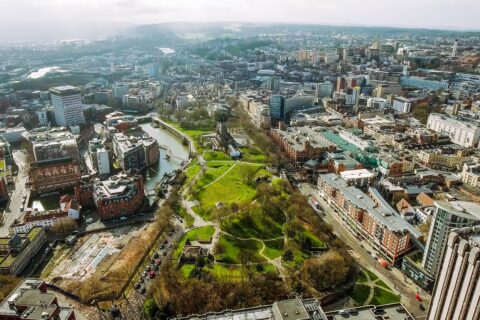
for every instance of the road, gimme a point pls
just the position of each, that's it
(17, 193)
(394, 278)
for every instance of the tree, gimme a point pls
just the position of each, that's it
(327, 271)
(150, 308)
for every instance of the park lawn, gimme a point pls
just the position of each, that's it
(221, 272)
(253, 155)
(382, 296)
(269, 269)
(231, 188)
(211, 174)
(253, 225)
(298, 258)
(211, 155)
(231, 250)
(273, 248)
(373, 276)
(361, 278)
(316, 242)
(186, 269)
(359, 293)
(193, 235)
(382, 284)
(191, 171)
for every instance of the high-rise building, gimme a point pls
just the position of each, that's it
(277, 107)
(457, 292)
(67, 106)
(324, 89)
(448, 216)
(462, 131)
(103, 162)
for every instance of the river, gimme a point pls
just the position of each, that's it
(179, 153)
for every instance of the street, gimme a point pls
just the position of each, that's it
(18, 193)
(394, 278)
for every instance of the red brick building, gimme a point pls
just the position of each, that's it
(120, 195)
(54, 175)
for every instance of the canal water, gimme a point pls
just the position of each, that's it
(179, 153)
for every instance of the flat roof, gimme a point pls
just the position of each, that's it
(463, 208)
(393, 311)
(356, 174)
(65, 90)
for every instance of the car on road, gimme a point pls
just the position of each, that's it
(142, 290)
(138, 285)
(152, 274)
(123, 218)
(156, 255)
(144, 274)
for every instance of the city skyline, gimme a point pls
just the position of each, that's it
(56, 19)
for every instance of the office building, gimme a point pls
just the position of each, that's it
(277, 107)
(457, 292)
(324, 89)
(402, 105)
(67, 106)
(17, 251)
(135, 150)
(447, 216)
(31, 300)
(471, 173)
(462, 131)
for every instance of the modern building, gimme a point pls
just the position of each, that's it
(360, 178)
(324, 89)
(118, 196)
(369, 216)
(129, 153)
(277, 107)
(53, 175)
(462, 131)
(17, 251)
(67, 106)
(293, 309)
(448, 216)
(31, 300)
(402, 105)
(52, 144)
(457, 291)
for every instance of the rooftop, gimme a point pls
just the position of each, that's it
(65, 90)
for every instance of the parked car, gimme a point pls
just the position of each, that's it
(156, 255)
(152, 274)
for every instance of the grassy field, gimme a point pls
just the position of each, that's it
(193, 235)
(232, 249)
(231, 188)
(273, 248)
(254, 225)
(360, 293)
(382, 296)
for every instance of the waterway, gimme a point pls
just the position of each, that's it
(179, 153)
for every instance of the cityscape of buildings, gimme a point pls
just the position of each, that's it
(379, 133)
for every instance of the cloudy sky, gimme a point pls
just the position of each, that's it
(35, 15)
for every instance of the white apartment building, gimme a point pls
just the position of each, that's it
(67, 106)
(103, 163)
(402, 105)
(464, 132)
(456, 295)
(448, 216)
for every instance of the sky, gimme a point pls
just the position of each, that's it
(31, 17)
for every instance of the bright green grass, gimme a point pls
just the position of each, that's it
(298, 258)
(373, 276)
(360, 293)
(224, 272)
(269, 269)
(231, 188)
(193, 235)
(252, 155)
(273, 248)
(361, 278)
(186, 269)
(233, 248)
(253, 225)
(317, 243)
(382, 296)
(382, 284)
(211, 174)
(216, 156)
